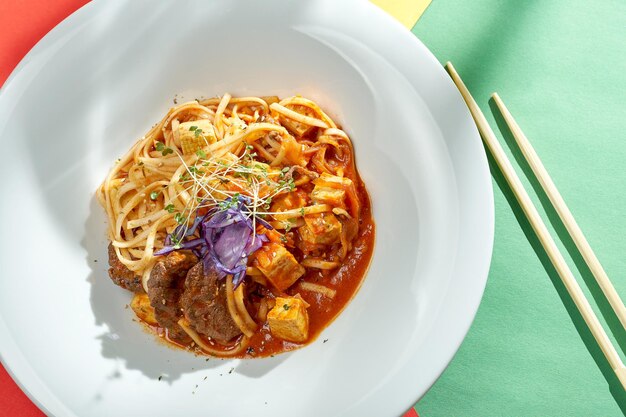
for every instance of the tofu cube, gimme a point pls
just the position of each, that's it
(142, 308)
(289, 320)
(196, 135)
(321, 229)
(278, 265)
(328, 195)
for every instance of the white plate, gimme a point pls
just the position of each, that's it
(98, 81)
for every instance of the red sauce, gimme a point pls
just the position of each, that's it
(345, 280)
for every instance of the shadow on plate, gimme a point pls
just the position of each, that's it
(67, 170)
(127, 340)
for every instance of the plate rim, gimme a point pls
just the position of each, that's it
(13, 367)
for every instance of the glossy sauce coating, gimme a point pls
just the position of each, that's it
(345, 280)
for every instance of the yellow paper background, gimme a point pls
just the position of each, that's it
(406, 11)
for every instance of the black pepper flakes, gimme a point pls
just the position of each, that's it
(160, 377)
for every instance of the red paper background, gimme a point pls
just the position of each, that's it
(22, 24)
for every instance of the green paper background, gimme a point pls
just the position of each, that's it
(560, 67)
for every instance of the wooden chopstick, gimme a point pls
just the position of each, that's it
(564, 213)
(541, 231)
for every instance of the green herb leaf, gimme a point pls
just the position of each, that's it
(195, 170)
(286, 307)
(175, 241)
(170, 208)
(154, 195)
(192, 128)
(167, 151)
(180, 219)
(201, 153)
(159, 146)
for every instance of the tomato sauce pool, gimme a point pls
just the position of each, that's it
(345, 280)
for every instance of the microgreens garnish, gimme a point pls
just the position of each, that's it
(160, 147)
(217, 182)
(180, 218)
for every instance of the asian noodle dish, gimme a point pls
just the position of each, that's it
(241, 225)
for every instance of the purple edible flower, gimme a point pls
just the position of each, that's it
(222, 238)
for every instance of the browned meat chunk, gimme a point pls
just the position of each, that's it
(121, 275)
(165, 287)
(205, 306)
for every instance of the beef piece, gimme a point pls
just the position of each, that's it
(165, 287)
(205, 306)
(121, 275)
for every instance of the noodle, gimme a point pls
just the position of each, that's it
(202, 156)
(241, 345)
(145, 172)
(241, 307)
(301, 212)
(297, 116)
(232, 308)
(319, 263)
(309, 286)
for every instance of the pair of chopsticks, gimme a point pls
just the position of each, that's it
(540, 228)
